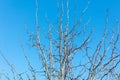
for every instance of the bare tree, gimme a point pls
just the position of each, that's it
(59, 59)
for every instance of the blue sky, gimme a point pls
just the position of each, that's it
(14, 13)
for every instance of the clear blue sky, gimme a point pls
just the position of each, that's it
(14, 13)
